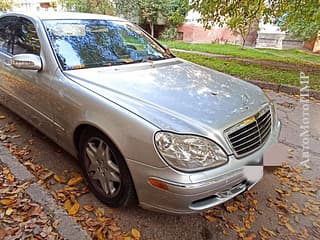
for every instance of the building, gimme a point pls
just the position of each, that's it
(34, 5)
(193, 31)
(262, 36)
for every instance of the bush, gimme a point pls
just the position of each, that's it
(170, 33)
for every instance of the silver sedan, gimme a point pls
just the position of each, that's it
(148, 128)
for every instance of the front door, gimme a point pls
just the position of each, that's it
(28, 91)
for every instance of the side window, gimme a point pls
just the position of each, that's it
(7, 30)
(26, 38)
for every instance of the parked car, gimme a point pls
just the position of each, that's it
(148, 127)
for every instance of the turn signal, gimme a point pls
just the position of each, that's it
(158, 184)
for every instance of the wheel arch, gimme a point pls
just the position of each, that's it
(84, 126)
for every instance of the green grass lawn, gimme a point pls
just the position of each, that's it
(251, 71)
(293, 56)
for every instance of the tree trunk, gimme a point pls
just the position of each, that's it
(151, 29)
(243, 41)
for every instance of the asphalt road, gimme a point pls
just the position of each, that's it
(161, 226)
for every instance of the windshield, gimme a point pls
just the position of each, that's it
(96, 43)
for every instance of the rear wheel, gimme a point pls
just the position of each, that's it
(105, 170)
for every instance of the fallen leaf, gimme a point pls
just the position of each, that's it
(316, 224)
(45, 176)
(250, 236)
(59, 179)
(67, 204)
(255, 202)
(135, 233)
(9, 211)
(99, 212)
(211, 218)
(2, 117)
(56, 223)
(283, 219)
(100, 234)
(271, 233)
(231, 209)
(7, 201)
(74, 181)
(247, 224)
(290, 228)
(2, 234)
(74, 209)
(114, 228)
(88, 208)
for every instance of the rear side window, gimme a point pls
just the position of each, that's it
(26, 39)
(7, 31)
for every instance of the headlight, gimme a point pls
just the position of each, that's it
(189, 153)
(272, 109)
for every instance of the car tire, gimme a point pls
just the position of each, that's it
(105, 170)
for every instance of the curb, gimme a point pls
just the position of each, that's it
(291, 90)
(67, 228)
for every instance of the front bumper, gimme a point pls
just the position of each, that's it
(196, 192)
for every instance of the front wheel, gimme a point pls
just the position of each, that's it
(105, 170)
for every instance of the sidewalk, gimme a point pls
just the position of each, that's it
(27, 210)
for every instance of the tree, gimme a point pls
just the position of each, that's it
(300, 18)
(177, 11)
(89, 6)
(150, 12)
(5, 5)
(239, 16)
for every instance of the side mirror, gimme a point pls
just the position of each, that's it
(27, 61)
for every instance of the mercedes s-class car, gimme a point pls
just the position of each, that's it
(147, 127)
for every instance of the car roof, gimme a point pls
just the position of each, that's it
(63, 15)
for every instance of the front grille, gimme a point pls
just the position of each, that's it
(250, 134)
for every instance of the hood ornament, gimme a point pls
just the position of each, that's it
(245, 102)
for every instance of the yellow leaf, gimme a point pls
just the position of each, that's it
(59, 179)
(46, 175)
(9, 211)
(210, 218)
(2, 117)
(254, 202)
(135, 233)
(88, 208)
(100, 234)
(247, 224)
(290, 228)
(271, 233)
(295, 189)
(74, 209)
(231, 209)
(127, 238)
(67, 204)
(99, 212)
(10, 177)
(251, 218)
(7, 201)
(74, 181)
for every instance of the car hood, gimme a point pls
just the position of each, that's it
(174, 94)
